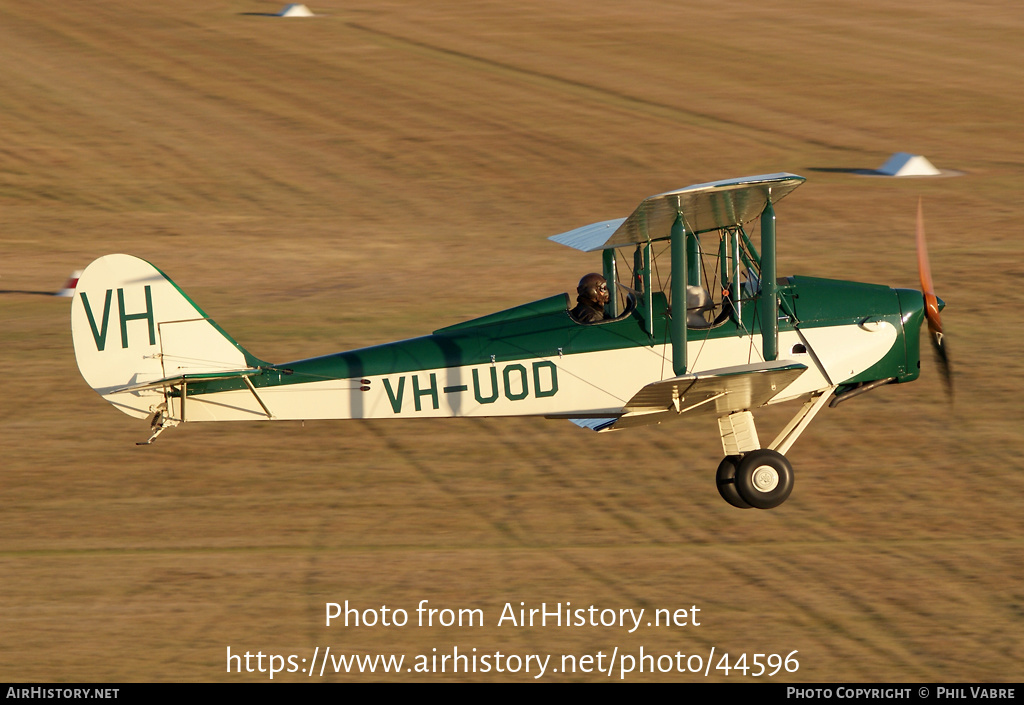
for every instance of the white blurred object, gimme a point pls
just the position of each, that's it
(295, 10)
(906, 164)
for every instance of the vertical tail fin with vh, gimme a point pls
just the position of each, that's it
(133, 327)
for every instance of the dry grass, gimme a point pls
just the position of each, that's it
(389, 168)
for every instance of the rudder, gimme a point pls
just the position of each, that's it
(131, 325)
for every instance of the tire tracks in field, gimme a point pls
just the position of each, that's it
(853, 641)
(550, 466)
(847, 636)
(180, 85)
(520, 539)
(504, 528)
(410, 458)
(595, 93)
(858, 638)
(784, 603)
(557, 470)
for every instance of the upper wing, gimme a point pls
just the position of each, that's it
(711, 206)
(717, 392)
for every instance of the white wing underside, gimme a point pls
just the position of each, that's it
(717, 392)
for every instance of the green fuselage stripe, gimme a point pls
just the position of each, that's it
(544, 330)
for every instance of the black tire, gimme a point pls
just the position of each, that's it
(726, 480)
(764, 478)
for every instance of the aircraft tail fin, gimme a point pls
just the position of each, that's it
(133, 327)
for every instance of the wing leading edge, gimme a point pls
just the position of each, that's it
(710, 206)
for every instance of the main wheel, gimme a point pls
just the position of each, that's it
(764, 478)
(726, 480)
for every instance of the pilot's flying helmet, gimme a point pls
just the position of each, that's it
(589, 285)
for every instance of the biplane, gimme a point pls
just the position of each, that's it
(720, 335)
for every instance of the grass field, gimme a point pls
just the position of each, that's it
(392, 167)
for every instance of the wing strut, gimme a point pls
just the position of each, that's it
(800, 421)
(679, 281)
(249, 384)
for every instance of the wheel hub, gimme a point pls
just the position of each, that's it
(766, 478)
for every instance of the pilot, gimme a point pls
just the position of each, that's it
(593, 295)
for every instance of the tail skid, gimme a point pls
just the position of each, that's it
(137, 336)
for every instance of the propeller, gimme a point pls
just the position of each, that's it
(931, 305)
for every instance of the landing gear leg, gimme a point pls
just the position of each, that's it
(157, 423)
(751, 476)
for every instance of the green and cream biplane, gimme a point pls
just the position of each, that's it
(745, 339)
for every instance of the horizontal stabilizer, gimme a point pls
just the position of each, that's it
(169, 382)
